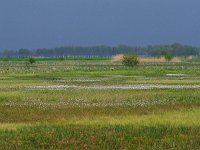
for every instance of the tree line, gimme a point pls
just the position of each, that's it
(175, 49)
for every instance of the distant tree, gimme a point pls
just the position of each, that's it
(175, 49)
(163, 53)
(8, 53)
(130, 60)
(24, 52)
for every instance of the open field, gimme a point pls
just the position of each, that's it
(97, 104)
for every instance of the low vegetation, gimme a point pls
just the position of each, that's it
(31, 60)
(35, 114)
(130, 60)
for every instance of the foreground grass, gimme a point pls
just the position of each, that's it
(176, 129)
(109, 137)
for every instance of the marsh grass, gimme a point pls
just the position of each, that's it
(98, 119)
(109, 137)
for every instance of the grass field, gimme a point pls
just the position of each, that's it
(97, 104)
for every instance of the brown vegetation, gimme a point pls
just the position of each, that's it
(158, 60)
(120, 57)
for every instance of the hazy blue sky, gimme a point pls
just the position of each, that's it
(51, 23)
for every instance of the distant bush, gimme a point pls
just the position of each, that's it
(130, 60)
(31, 60)
(168, 56)
(5, 59)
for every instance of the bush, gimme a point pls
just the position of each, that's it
(5, 59)
(130, 60)
(168, 57)
(31, 60)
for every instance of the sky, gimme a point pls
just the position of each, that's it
(52, 23)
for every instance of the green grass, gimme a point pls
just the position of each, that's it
(110, 137)
(98, 119)
(93, 95)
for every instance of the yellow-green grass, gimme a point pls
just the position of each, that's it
(175, 130)
(95, 95)
(173, 118)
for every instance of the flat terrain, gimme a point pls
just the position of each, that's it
(97, 104)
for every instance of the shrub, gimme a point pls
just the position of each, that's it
(130, 60)
(5, 59)
(31, 60)
(168, 56)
